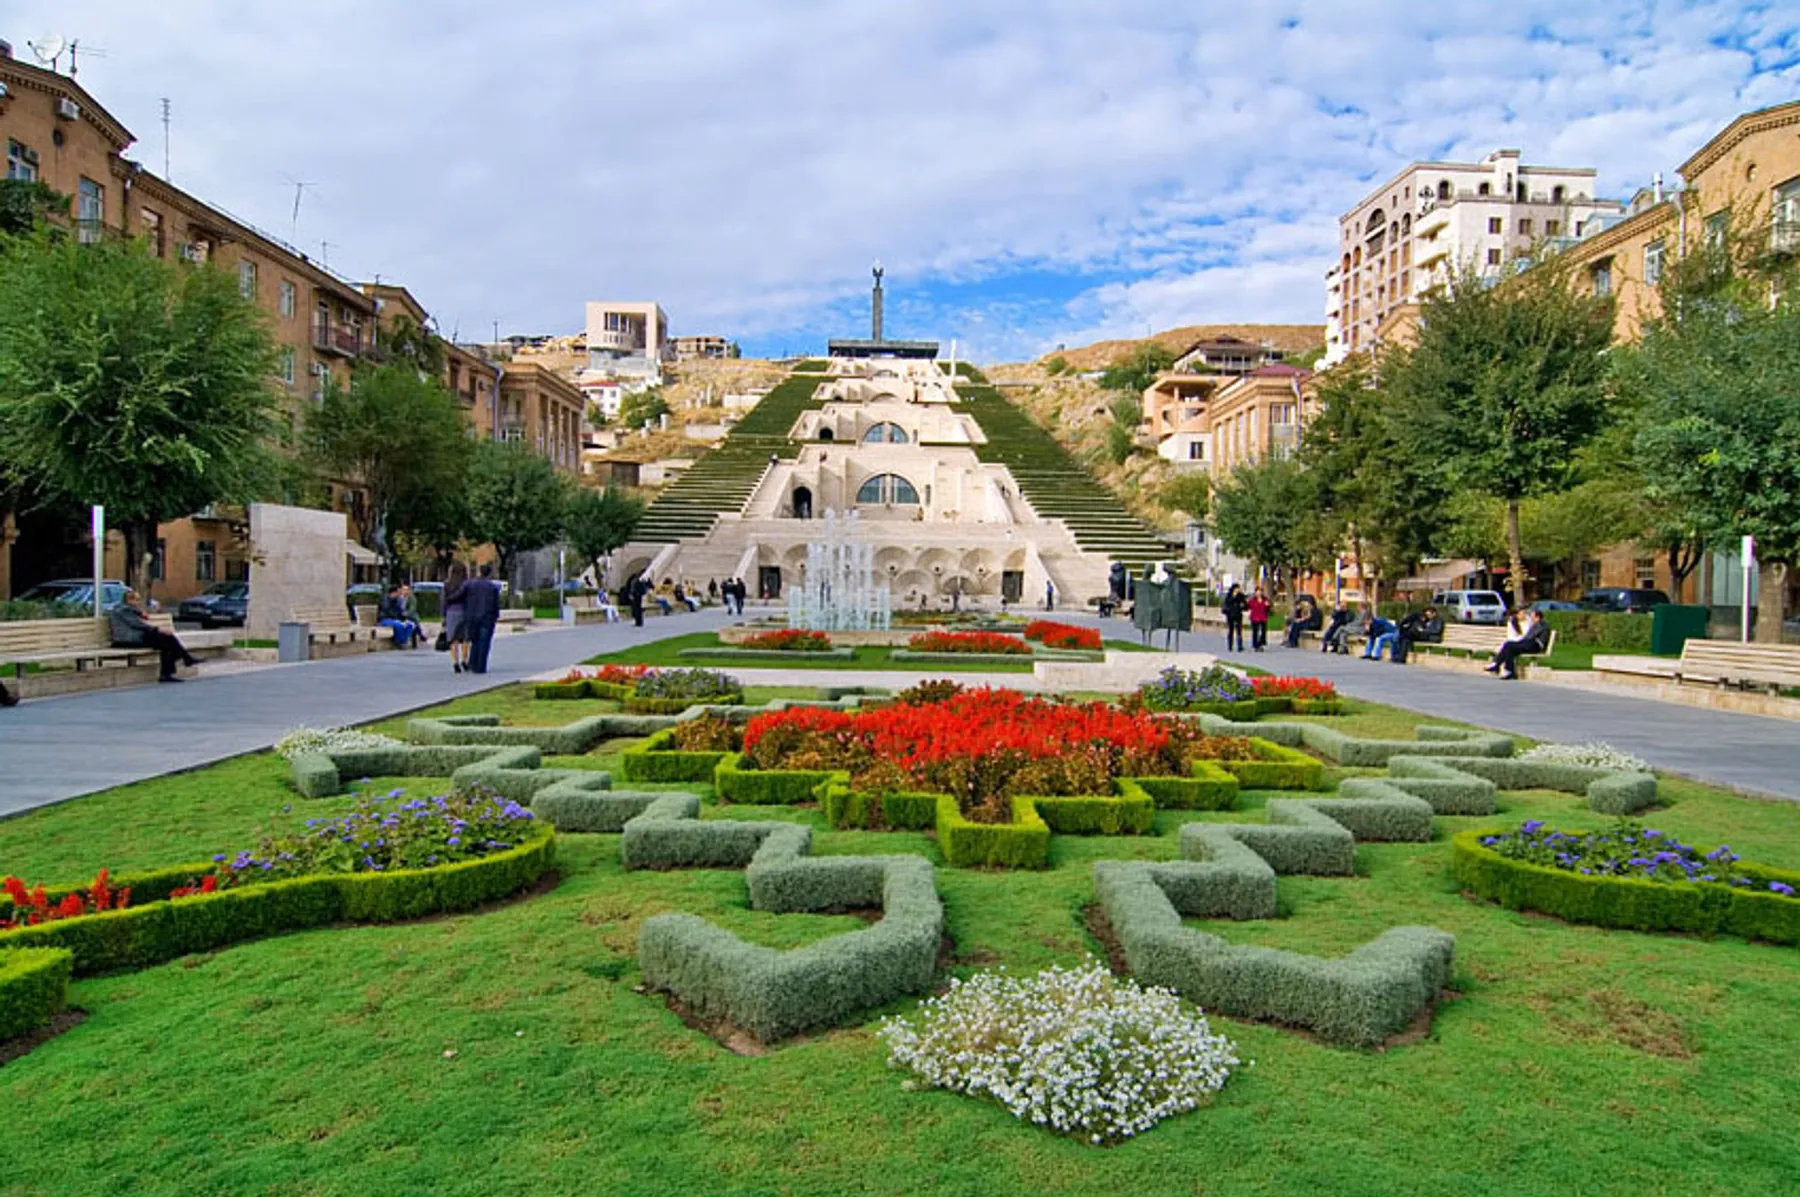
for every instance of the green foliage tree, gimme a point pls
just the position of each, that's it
(644, 406)
(598, 522)
(1258, 512)
(401, 436)
(1132, 374)
(25, 206)
(406, 341)
(131, 382)
(1506, 386)
(1717, 381)
(1058, 364)
(1190, 492)
(517, 500)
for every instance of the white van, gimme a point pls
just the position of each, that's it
(1470, 606)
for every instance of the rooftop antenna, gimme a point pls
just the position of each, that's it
(325, 254)
(300, 187)
(47, 50)
(165, 120)
(74, 47)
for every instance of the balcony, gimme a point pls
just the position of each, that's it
(336, 339)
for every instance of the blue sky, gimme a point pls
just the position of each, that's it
(1031, 173)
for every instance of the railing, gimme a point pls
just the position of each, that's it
(345, 341)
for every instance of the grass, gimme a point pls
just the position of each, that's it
(668, 653)
(1573, 1060)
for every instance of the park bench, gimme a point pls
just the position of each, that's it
(587, 609)
(1721, 662)
(333, 628)
(81, 649)
(1474, 641)
(517, 618)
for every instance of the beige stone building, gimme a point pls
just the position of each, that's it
(689, 348)
(1258, 415)
(543, 410)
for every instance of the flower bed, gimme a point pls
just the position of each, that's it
(1206, 689)
(1594, 755)
(984, 747)
(662, 758)
(1630, 876)
(989, 644)
(608, 681)
(788, 640)
(667, 691)
(1301, 695)
(1075, 1050)
(1062, 635)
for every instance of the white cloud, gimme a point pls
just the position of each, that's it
(743, 162)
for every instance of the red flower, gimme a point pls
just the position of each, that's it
(1062, 635)
(1292, 687)
(969, 642)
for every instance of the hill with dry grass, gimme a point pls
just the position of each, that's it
(1291, 339)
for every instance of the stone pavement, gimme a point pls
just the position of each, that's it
(57, 748)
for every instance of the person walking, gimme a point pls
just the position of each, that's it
(481, 611)
(1258, 607)
(634, 594)
(1233, 611)
(130, 628)
(712, 590)
(456, 631)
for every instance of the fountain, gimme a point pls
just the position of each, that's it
(839, 593)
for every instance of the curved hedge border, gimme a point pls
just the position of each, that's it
(584, 688)
(657, 759)
(1354, 750)
(163, 929)
(1628, 902)
(770, 993)
(731, 652)
(1277, 767)
(734, 781)
(34, 988)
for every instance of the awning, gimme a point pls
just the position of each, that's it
(359, 555)
(1438, 575)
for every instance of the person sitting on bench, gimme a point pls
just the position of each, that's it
(132, 629)
(1336, 638)
(1533, 639)
(1306, 618)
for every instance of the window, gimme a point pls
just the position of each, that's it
(206, 560)
(90, 209)
(288, 296)
(154, 232)
(1281, 413)
(1484, 189)
(1196, 450)
(21, 162)
(1525, 227)
(286, 369)
(887, 488)
(891, 434)
(1644, 568)
(1590, 575)
(247, 279)
(1444, 189)
(157, 559)
(1784, 236)
(1718, 225)
(1493, 258)
(1556, 194)
(1601, 276)
(1496, 225)
(1653, 262)
(1552, 227)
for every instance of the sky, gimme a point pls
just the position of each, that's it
(1030, 173)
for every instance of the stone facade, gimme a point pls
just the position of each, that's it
(296, 562)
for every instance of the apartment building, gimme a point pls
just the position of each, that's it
(1176, 418)
(689, 348)
(1257, 415)
(541, 409)
(1433, 219)
(1226, 355)
(468, 374)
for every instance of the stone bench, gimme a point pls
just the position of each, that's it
(72, 655)
(587, 608)
(331, 632)
(1718, 662)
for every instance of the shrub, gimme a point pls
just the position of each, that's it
(1309, 688)
(1276, 768)
(1756, 910)
(1072, 1049)
(1023, 843)
(34, 987)
(694, 684)
(1062, 635)
(657, 759)
(982, 643)
(328, 740)
(780, 787)
(1594, 754)
(789, 640)
(1604, 629)
(1131, 813)
(1185, 689)
(709, 733)
(925, 694)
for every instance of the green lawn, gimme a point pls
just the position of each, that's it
(1571, 1061)
(668, 653)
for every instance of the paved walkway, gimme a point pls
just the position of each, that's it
(57, 748)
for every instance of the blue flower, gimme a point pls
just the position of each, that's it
(1786, 891)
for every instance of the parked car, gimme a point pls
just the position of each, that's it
(1471, 606)
(223, 604)
(1554, 605)
(75, 592)
(1622, 599)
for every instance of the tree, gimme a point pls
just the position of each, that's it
(516, 500)
(1717, 377)
(1506, 386)
(401, 436)
(131, 382)
(1133, 374)
(24, 206)
(644, 406)
(1190, 492)
(1256, 513)
(598, 522)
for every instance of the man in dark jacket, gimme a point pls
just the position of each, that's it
(1418, 627)
(131, 628)
(1233, 611)
(1335, 639)
(634, 595)
(481, 612)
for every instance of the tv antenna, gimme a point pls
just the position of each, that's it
(300, 186)
(74, 48)
(47, 50)
(165, 123)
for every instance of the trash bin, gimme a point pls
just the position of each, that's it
(293, 642)
(1674, 624)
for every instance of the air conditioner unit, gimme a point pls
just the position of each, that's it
(68, 109)
(191, 252)
(3, 92)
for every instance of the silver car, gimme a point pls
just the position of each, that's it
(1471, 606)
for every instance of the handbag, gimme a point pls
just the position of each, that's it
(443, 641)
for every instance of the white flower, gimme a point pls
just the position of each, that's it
(331, 739)
(1593, 754)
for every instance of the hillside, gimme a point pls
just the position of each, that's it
(1289, 338)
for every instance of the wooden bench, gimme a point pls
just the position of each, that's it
(1476, 640)
(81, 652)
(1720, 662)
(587, 609)
(332, 627)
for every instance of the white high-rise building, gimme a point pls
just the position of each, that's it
(1435, 218)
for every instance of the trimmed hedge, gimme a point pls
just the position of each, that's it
(656, 760)
(570, 739)
(585, 688)
(1210, 788)
(568, 808)
(734, 781)
(1276, 768)
(320, 775)
(34, 988)
(902, 811)
(1023, 843)
(1608, 791)
(674, 706)
(732, 652)
(1358, 1000)
(163, 930)
(1131, 812)
(951, 659)
(1345, 749)
(1604, 629)
(1629, 902)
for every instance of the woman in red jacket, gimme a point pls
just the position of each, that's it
(1259, 620)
